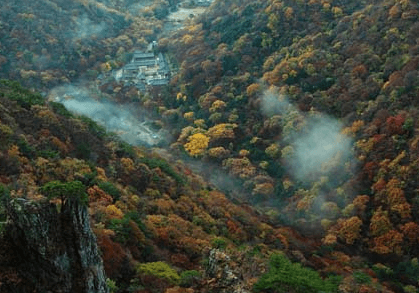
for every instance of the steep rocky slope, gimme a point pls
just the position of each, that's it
(49, 250)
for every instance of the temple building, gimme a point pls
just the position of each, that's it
(146, 69)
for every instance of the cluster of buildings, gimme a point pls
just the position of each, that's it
(146, 69)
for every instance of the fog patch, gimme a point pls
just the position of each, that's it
(315, 144)
(320, 150)
(86, 28)
(274, 103)
(134, 128)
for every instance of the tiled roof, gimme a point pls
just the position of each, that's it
(142, 55)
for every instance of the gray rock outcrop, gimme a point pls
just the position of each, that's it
(223, 278)
(53, 251)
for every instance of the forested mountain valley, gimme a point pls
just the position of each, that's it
(281, 155)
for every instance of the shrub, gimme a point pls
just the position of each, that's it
(219, 243)
(25, 148)
(134, 216)
(111, 285)
(408, 270)
(409, 125)
(383, 272)
(121, 228)
(50, 154)
(125, 228)
(189, 278)
(164, 166)
(3, 191)
(362, 278)
(5, 133)
(83, 150)
(160, 270)
(256, 250)
(125, 150)
(60, 109)
(284, 276)
(94, 127)
(110, 189)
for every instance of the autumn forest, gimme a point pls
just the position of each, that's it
(282, 156)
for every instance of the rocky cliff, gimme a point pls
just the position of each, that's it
(222, 275)
(50, 249)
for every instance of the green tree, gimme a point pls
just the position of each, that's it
(24, 97)
(189, 278)
(111, 285)
(110, 189)
(64, 191)
(284, 276)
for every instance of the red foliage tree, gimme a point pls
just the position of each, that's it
(394, 124)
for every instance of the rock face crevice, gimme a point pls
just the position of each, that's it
(223, 278)
(52, 250)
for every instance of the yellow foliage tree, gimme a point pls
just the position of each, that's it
(252, 89)
(127, 164)
(189, 116)
(187, 39)
(222, 130)
(244, 153)
(289, 12)
(13, 151)
(114, 212)
(272, 150)
(197, 144)
(217, 105)
(200, 123)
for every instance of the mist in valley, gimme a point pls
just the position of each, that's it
(316, 145)
(132, 125)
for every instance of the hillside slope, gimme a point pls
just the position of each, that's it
(144, 210)
(312, 105)
(46, 43)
